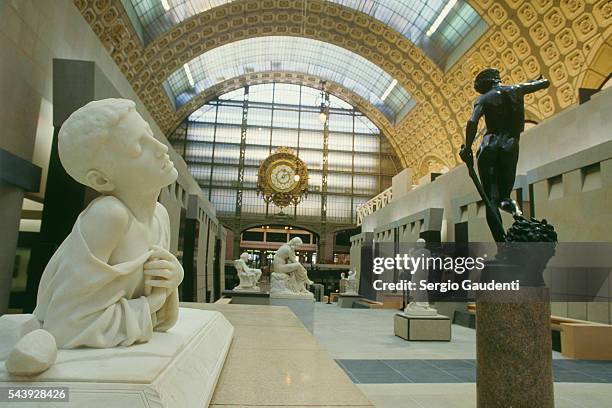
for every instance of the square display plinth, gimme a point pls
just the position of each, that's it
(243, 297)
(346, 300)
(422, 328)
(178, 368)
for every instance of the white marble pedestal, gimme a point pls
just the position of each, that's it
(241, 297)
(423, 328)
(178, 368)
(346, 300)
(302, 306)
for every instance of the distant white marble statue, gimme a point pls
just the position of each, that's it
(351, 284)
(113, 281)
(248, 276)
(288, 276)
(419, 302)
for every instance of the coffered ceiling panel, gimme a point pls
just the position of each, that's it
(568, 41)
(413, 19)
(291, 54)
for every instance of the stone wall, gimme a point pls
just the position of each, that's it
(32, 34)
(564, 175)
(564, 145)
(358, 242)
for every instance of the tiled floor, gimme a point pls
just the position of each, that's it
(460, 371)
(567, 395)
(395, 373)
(368, 334)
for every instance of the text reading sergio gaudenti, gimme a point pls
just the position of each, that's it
(413, 264)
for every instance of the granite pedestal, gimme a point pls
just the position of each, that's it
(422, 328)
(346, 300)
(513, 349)
(301, 306)
(178, 368)
(243, 297)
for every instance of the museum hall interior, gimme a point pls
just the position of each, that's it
(306, 203)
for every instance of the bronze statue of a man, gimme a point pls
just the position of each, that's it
(504, 112)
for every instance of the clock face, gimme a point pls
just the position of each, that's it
(282, 177)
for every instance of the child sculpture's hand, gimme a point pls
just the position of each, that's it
(163, 270)
(156, 299)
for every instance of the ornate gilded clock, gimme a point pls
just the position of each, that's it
(282, 178)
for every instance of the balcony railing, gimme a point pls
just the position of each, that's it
(375, 204)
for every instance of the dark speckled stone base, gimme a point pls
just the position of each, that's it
(514, 359)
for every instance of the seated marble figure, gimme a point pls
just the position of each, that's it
(113, 281)
(288, 276)
(248, 276)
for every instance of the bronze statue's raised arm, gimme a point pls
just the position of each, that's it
(535, 85)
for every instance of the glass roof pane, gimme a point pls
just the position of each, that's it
(411, 18)
(294, 54)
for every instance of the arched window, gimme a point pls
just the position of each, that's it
(361, 161)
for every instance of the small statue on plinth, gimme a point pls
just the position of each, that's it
(351, 284)
(504, 112)
(248, 276)
(419, 302)
(113, 281)
(288, 276)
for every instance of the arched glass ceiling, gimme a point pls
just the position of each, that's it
(411, 18)
(360, 161)
(291, 54)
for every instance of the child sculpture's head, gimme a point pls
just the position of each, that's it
(108, 146)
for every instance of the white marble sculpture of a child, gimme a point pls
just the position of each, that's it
(113, 281)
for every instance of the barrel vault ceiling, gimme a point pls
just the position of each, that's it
(567, 41)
